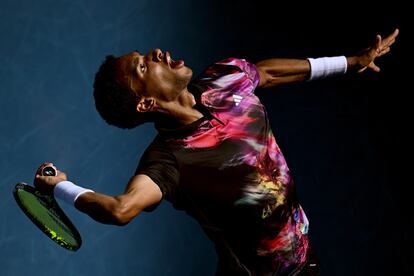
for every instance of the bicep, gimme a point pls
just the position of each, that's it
(141, 193)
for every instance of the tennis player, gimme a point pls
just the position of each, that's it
(215, 155)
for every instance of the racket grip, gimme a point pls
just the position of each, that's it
(49, 171)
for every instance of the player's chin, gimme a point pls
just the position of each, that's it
(183, 78)
(185, 72)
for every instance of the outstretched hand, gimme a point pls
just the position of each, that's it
(366, 58)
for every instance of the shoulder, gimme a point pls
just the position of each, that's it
(232, 61)
(226, 67)
(159, 147)
(229, 71)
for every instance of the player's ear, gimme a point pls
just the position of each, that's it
(146, 104)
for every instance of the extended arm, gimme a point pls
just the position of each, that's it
(273, 72)
(140, 193)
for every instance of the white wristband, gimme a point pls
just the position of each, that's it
(68, 191)
(327, 66)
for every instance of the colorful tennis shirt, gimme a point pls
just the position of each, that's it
(227, 172)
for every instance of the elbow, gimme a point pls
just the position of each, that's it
(266, 79)
(120, 220)
(263, 76)
(123, 213)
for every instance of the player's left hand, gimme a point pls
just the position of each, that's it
(365, 59)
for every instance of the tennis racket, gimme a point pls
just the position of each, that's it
(44, 211)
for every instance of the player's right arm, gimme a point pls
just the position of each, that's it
(140, 193)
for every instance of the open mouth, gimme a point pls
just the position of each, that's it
(174, 64)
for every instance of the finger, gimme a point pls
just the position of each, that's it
(59, 173)
(374, 67)
(45, 180)
(378, 41)
(45, 164)
(384, 51)
(362, 69)
(41, 167)
(375, 49)
(41, 177)
(395, 33)
(388, 42)
(44, 177)
(391, 38)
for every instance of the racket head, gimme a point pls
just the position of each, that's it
(44, 211)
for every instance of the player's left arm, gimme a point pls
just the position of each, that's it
(277, 71)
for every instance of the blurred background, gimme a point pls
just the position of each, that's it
(345, 139)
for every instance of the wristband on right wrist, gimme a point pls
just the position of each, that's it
(68, 191)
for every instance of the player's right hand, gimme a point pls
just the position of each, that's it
(46, 184)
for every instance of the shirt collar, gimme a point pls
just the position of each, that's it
(167, 130)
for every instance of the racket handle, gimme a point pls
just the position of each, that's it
(49, 171)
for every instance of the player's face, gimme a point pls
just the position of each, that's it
(155, 74)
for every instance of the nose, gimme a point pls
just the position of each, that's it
(157, 54)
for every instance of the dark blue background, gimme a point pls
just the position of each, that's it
(343, 137)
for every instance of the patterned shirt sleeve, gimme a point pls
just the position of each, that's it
(248, 68)
(161, 166)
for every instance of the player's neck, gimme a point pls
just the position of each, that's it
(182, 109)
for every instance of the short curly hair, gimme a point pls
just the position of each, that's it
(114, 102)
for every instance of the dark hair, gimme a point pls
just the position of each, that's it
(114, 102)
